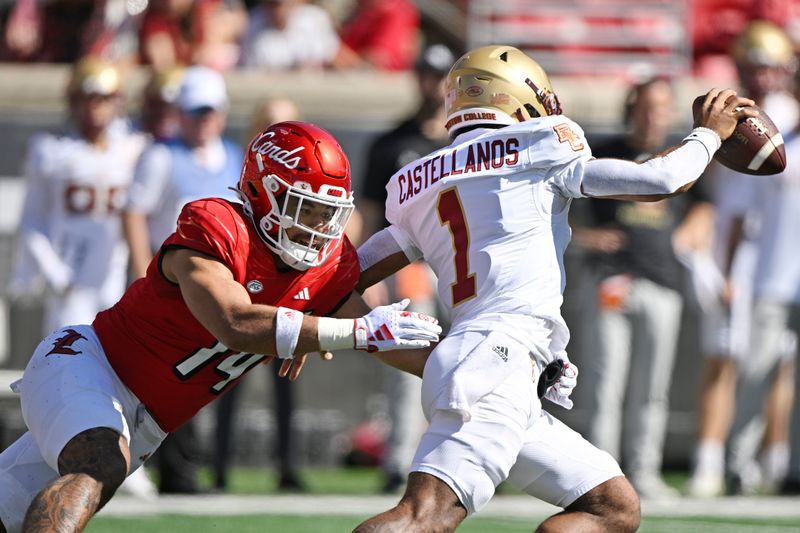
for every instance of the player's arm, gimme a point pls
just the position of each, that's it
(37, 212)
(382, 255)
(137, 235)
(411, 361)
(735, 238)
(223, 307)
(145, 193)
(676, 169)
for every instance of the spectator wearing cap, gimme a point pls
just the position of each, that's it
(419, 134)
(198, 163)
(289, 35)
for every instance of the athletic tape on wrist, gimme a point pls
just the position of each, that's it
(287, 330)
(335, 333)
(360, 334)
(707, 137)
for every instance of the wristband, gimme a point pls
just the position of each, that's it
(707, 137)
(287, 330)
(335, 333)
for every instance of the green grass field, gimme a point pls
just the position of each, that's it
(338, 524)
(366, 481)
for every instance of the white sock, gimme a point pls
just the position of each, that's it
(775, 462)
(709, 458)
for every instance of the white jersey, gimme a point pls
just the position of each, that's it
(489, 215)
(778, 207)
(732, 196)
(70, 228)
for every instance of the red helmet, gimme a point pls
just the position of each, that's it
(295, 175)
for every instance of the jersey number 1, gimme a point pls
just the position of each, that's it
(452, 213)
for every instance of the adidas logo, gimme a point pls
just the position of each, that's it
(302, 295)
(502, 351)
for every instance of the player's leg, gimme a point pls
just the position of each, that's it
(407, 425)
(92, 466)
(559, 466)
(406, 419)
(757, 369)
(225, 410)
(722, 345)
(791, 484)
(289, 478)
(656, 319)
(717, 391)
(428, 504)
(609, 368)
(774, 456)
(459, 464)
(715, 415)
(23, 473)
(612, 506)
(79, 414)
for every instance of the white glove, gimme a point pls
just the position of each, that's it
(559, 392)
(389, 327)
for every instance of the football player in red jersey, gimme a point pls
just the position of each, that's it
(234, 286)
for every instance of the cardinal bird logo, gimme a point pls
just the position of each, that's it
(62, 344)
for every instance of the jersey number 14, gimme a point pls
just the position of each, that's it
(451, 212)
(230, 367)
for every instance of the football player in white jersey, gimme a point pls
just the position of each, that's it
(489, 214)
(765, 59)
(70, 232)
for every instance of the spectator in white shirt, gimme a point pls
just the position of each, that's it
(289, 35)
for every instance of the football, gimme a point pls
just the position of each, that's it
(756, 146)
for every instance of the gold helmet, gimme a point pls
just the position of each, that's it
(763, 43)
(497, 85)
(165, 85)
(92, 75)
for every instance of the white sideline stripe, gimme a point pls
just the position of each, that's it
(765, 152)
(499, 507)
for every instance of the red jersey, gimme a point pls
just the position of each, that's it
(160, 350)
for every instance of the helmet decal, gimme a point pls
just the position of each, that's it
(265, 146)
(547, 98)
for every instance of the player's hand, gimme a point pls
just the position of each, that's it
(292, 367)
(390, 327)
(560, 391)
(721, 111)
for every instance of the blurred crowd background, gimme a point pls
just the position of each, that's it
(370, 71)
